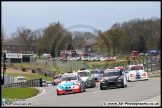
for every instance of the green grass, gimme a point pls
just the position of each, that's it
(20, 93)
(58, 71)
(32, 76)
(21, 65)
(158, 76)
(38, 57)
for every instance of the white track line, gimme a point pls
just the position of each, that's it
(96, 92)
(49, 90)
(39, 94)
(149, 99)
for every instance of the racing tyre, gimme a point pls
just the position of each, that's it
(94, 85)
(58, 94)
(123, 84)
(101, 88)
(80, 89)
(84, 89)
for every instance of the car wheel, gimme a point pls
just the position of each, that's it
(80, 89)
(101, 88)
(84, 89)
(95, 85)
(128, 80)
(58, 94)
(123, 85)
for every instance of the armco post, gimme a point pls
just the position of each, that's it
(40, 82)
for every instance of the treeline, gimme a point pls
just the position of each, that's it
(137, 34)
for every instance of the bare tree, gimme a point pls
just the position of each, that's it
(38, 40)
(78, 39)
(102, 42)
(25, 36)
(3, 34)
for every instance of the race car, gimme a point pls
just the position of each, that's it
(112, 78)
(48, 84)
(70, 83)
(43, 83)
(56, 79)
(87, 78)
(136, 72)
(97, 74)
(123, 72)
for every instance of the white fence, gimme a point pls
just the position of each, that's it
(29, 83)
(9, 79)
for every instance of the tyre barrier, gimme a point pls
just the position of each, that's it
(29, 83)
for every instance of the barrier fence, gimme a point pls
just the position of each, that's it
(29, 83)
(150, 63)
(62, 65)
(9, 79)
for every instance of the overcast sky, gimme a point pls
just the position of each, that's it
(87, 15)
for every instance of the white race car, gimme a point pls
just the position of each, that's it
(136, 72)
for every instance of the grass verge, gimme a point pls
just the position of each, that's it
(158, 76)
(20, 93)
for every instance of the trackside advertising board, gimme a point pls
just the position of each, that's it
(13, 55)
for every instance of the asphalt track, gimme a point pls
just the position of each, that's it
(135, 92)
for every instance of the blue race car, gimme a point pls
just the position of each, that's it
(97, 74)
(70, 83)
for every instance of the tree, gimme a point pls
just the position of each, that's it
(3, 35)
(102, 42)
(26, 37)
(52, 34)
(114, 36)
(78, 39)
(38, 40)
(141, 34)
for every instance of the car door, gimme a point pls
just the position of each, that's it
(80, 81)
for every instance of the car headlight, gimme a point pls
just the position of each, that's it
(102, 80)
(119, 79)
(90, 79)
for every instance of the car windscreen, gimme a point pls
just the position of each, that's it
(136, 68)
(102, 71)
(43, 81)
(56, 77)
(83, 74)
(111, 73)
(95, 72)
(20, 78)
(65, 78)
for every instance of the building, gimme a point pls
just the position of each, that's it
(18, 57)
(13, 45)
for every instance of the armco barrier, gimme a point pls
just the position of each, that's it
(9, 79)
(29, 83)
